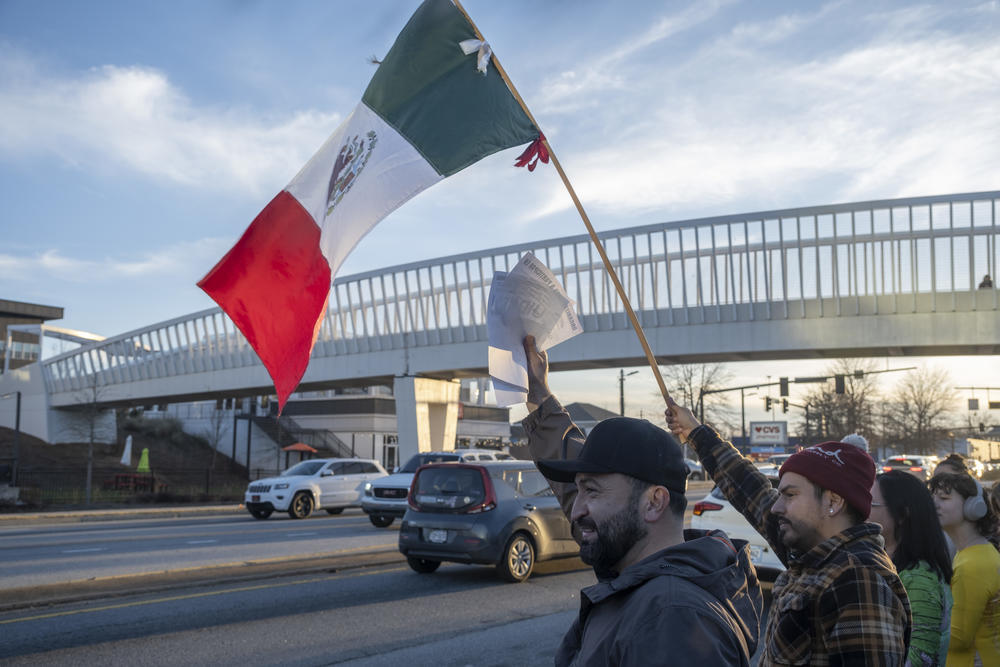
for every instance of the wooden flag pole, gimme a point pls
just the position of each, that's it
(583, 214)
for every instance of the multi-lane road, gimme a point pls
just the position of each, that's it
(49, 553)
(367, 608)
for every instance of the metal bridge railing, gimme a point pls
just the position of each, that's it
(817, 261)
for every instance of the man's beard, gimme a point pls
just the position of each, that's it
(615, 537)
(798, 537)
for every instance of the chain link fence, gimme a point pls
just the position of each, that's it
(68, 486)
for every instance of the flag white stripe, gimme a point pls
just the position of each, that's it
(383, 180)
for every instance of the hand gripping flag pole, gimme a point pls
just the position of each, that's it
(544, 153)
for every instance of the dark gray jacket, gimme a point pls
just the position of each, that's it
(697, 603)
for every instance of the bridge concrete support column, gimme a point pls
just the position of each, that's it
(426, 414)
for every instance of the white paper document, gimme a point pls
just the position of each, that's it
(526, 301)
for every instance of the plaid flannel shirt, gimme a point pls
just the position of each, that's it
(841, 603)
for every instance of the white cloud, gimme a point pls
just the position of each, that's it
(135, 118)
(910, 110)
(572, 90)
(186, 258)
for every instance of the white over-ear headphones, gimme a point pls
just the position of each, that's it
(974, 507)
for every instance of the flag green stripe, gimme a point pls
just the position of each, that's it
(431, 93)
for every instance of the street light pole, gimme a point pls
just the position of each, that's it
(743, 415)
(621, 390)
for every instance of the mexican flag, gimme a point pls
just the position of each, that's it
(433, 108)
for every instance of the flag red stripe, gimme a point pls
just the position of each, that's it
(273, 284)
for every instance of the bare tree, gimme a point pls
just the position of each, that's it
(687, 382)
(920, 410)
(91, 411)
(217, 422)
(832, 415)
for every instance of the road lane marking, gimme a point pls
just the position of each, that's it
(202, 541)
(82, 551)
(192, 596)
(299, 534)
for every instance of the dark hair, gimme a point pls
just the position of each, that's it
(956, 461)
(677, 503)
(965, 486)
(918, 532)
(853, 513)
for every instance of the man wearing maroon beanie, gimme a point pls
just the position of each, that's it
(839, 600)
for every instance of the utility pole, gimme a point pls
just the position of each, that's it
(621, 390)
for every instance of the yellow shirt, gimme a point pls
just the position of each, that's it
(975, 616)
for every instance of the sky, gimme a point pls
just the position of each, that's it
(139, 139)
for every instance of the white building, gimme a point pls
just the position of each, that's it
(343, 422)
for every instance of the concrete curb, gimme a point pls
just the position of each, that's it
(152, 582)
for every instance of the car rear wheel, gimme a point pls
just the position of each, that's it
(422, 565)
(260, 514)
(380, 520)
(302, 505)
(335, 510)
(518, 559)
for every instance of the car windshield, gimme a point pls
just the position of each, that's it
(418, 460)
(304, 468)
(449, 487)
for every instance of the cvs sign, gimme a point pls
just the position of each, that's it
(768, 433)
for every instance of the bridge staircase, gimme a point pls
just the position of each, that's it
(285, 431)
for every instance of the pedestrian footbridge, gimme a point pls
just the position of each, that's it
(878, 278)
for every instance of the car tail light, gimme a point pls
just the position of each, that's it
(490, 497)
(409, 494)
(916, 469)
(886, 468)
(705, 506)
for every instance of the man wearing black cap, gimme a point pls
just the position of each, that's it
(839, 602)
(659, 599)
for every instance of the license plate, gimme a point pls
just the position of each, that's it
(255, 499)
(437, 536)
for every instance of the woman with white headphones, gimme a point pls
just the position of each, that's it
(969, 519)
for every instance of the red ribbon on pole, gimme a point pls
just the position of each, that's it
(535, 151)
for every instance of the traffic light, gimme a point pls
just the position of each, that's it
(784, 405)
(784, 386)
(767, 404)
(838, 384)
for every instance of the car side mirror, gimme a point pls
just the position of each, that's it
(326, 473)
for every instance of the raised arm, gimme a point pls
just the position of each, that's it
(748, 489)
(551, 432)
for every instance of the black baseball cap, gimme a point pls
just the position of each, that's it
(632, 447)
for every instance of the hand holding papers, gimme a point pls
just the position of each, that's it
(527, 301)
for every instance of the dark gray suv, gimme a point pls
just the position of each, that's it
(492, 513)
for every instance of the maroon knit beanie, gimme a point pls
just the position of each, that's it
(844, 469)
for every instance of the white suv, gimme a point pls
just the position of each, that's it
(329, 484)
(385, 499)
